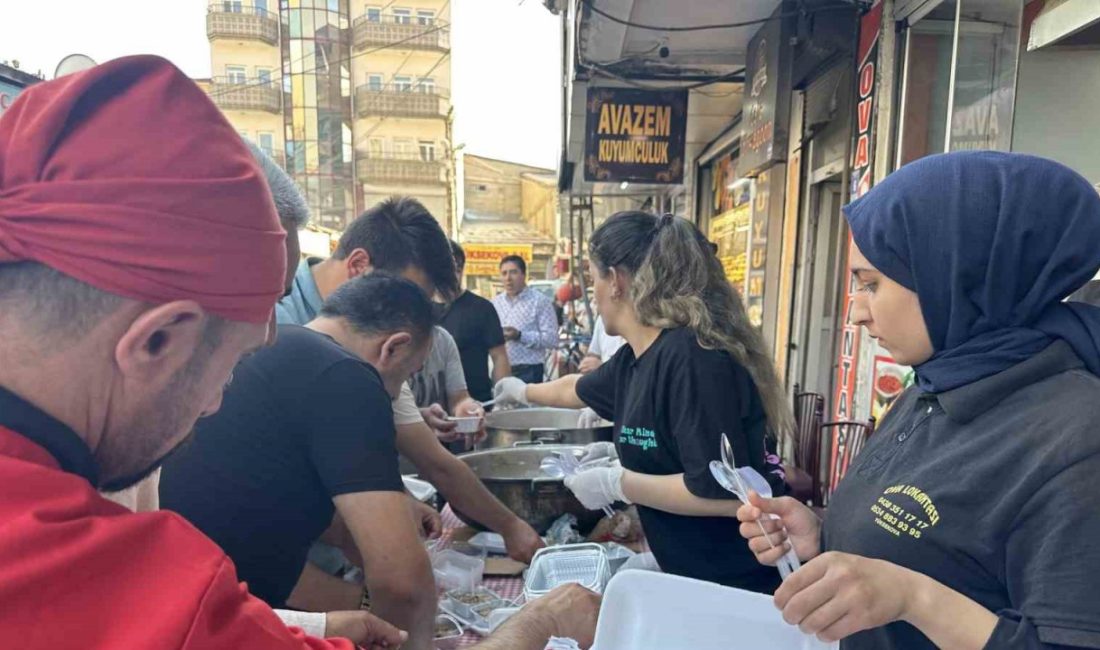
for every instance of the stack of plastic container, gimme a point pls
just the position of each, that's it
(584, 564)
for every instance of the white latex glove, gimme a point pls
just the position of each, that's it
(510, 391)
(598, 486)
(588, 419)
(598, 450)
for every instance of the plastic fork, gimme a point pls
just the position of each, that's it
(739, 482)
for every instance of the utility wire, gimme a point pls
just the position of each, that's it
(696, 28)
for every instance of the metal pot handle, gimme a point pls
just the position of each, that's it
(527, 443)
(547, 434)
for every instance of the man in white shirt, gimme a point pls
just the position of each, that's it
(529, 321)
(602, 348)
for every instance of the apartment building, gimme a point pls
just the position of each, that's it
(351, 96)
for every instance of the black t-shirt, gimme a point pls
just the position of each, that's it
(670, 408)
(475, 326)
(992, 489)
(303, 421)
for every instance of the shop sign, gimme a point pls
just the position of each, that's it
(7, 95)
(730, 231)
(861, 170)
(765, 110)
(758, 250)
(635, 135)
(484, 259)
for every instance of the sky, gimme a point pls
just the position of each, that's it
(506, 59)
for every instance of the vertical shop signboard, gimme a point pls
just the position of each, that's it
(862, 172)
(758, 250)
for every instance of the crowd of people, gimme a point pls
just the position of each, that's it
(142, 289)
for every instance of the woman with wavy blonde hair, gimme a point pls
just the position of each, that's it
(693, 368)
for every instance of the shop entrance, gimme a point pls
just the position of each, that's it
(817, 289)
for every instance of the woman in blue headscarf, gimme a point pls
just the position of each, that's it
(972, 517)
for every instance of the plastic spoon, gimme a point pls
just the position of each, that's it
(739, 482)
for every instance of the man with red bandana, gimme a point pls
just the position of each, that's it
(140, 258)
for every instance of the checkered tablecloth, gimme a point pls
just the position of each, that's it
(507, 587)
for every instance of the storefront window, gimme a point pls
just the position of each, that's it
(927, 84)
(985, 75)
(979, 41)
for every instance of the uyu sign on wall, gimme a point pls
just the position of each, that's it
(635, 135)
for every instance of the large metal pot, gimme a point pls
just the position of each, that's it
(533, 425)
(513, 475)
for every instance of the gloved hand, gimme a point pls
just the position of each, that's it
(510, 391)
(597, 487)
(589, 419)
(597, 450)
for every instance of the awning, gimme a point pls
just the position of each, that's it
(1066, 23)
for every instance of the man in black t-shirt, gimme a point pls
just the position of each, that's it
(306, 431)
(475, 326)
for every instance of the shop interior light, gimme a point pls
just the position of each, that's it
(738, 184)
(623, 185)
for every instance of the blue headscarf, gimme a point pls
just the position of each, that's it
(991, 243)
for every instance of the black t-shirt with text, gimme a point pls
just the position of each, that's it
(302, 422)
(670, 408)
(475, 326)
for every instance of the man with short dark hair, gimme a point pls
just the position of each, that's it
(306, 431)
(475, 326)
(530, 324)
(399, 236)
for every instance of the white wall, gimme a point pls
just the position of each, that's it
(1058, 108)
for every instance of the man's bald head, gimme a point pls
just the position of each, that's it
(289, 203)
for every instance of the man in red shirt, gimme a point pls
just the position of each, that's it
(140, 258)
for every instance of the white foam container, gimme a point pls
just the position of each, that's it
(643, 610)
(466, 424)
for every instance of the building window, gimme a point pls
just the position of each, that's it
(261, 7)
(427, 151)
(232, 6)
(403, 84)
(374, 14)
(263, 76)
(375, 147)
(235, 74)
(404, 149)
(375, 83)
(266, 142)
(425, 17)
(427, 85)
(402, 16)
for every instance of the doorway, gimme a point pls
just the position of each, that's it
(818, 281)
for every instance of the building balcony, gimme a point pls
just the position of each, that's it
(400, 170)
(391, 101)
(246, 95)
(231, 20)
(368, 32)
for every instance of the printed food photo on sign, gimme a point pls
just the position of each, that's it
(889, 382)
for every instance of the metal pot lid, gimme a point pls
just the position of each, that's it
(534, 418)
(514, 463)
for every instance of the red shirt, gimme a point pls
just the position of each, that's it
(77, 571)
